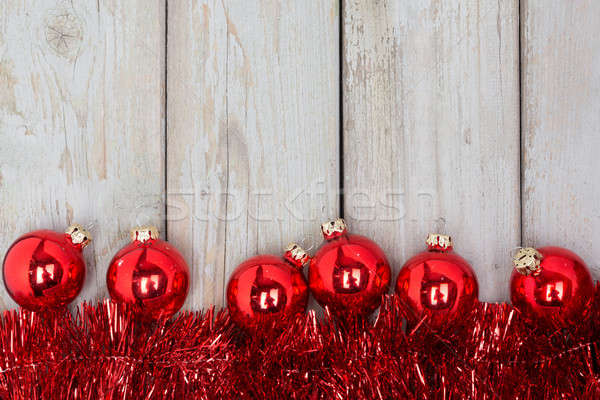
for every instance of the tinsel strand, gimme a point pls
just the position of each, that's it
(102, 351)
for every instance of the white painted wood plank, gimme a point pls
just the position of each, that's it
(81, 122)
(253, 121)
(561, 126)
(431, 129)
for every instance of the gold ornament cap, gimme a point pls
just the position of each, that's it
(144, 233)
(333, 228)
(528, 261)
(296, 255)
(79, 235)
(438, 242)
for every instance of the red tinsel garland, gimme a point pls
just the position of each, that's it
(103, 352)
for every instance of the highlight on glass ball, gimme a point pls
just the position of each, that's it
(44, 269)
(349, 273)
(150, 274)
(266, 290)
(551, 287)
(437, 284)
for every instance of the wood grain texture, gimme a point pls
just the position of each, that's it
(561, 126)
(81, 122)
(253, 121)
(431, 129)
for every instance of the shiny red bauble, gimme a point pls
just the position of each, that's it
(551, 287)
(437, 285)
(150, 274)
(45, 269)
(349, 273)
(265, 291)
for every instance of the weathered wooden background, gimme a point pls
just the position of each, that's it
(236, 126)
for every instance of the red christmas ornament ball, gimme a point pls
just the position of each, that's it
(45, 269)
(551, 287)
(349, 273)
(437, 284)
(150, 274)
(265, 291)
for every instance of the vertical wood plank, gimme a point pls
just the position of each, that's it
(252, 136)
(431, 129)
(561, 126)
(81, 122)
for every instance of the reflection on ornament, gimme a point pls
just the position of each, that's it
(438, 292)
(149, 280)
(266, 296)
(44, 271)
(349, 276)
(552, 289)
